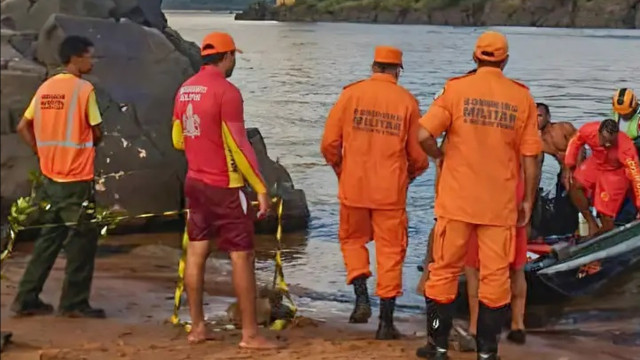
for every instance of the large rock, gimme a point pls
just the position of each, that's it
(32, 14)
(141, 63)
(20, 77)
(295, 212)
(142, 171)
(143, 12)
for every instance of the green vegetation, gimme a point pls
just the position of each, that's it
(212, 5)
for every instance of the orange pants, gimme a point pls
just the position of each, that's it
(496, 251)
(358, 226)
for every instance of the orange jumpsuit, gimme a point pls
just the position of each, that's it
(371, 141)
(490, 122)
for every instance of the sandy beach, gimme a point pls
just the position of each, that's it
(136, 290)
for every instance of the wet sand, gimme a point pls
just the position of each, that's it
(136, 290)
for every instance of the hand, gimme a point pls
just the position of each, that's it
(264, 202)
(524, 213)
(338, 170)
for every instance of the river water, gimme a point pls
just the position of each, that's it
(291, 73)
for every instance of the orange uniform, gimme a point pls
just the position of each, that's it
(607, 173)
(490, 122)
(371, 141)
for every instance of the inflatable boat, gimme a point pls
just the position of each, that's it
(569, 269)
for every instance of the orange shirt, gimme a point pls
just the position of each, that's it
(490, 122)
(371, 138)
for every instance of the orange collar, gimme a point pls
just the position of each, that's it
(384, 77)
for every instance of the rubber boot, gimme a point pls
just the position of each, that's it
(489, 328)
(439, 324)
(386, 329)
(362, 311)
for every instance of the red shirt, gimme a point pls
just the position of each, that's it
(216, 146)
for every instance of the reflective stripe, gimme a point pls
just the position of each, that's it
(70, 115)
(66, 144)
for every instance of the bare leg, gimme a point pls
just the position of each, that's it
(244, 283)
(582, 203)
(427, 260)
(607, 224)
(472, 292)
(518, 298)
(197, 253)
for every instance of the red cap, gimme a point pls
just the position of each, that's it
(491, 46)
(218, 42)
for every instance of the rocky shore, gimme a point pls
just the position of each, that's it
(544, 13)
(141, 62)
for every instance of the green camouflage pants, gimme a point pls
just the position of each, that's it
(68, 204)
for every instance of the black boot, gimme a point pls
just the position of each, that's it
(386, 329)
(439, 324)
(489, 328)
(362, 311)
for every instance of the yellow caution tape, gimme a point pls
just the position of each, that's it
(278, 280)
(22, 208)
(175, 318)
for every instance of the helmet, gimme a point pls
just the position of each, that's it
(624, 101)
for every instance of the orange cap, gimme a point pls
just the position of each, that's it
(388, 55)
(221, 42)
(491, 46)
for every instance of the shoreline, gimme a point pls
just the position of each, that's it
(136, 290)
(598, 14)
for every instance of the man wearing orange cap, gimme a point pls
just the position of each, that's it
(491, 123)
(208, 125)
(371, 141)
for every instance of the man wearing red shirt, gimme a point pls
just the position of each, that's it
(208, 124)
(604, 176)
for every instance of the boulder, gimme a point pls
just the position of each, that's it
(142, 172)
(32, 14)
(143, 12)
(295, 212)
(140, 64)
(20, 78)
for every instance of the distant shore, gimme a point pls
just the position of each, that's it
(621, 14)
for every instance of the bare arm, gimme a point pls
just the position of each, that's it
(97, 134)
(26, 132)
(531, 177)
(429, 144)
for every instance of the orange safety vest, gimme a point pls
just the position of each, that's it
(63, 134)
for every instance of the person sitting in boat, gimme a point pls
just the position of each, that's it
(627, 109)
(605, 176)
(555, 137)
